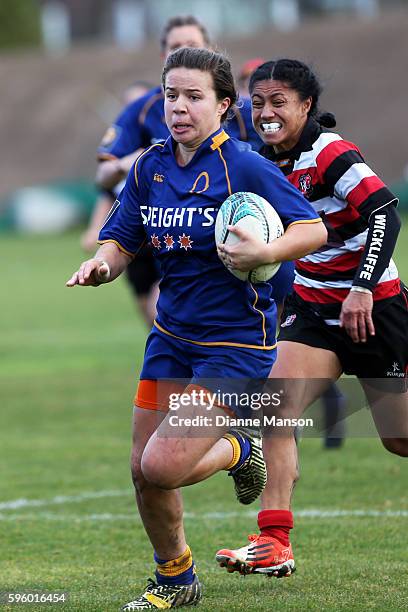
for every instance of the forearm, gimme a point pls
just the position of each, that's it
(90, 237)
(109, 173)
(298, 240)
(382, 236)
(100, 211)
(127, 162)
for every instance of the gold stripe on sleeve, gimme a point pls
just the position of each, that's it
(319, 220)
(120, 247)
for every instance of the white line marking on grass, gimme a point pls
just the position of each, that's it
(320, 513)
(60, 499)
(53, 516)
(106, 516)
(18, 504)
(309, 513)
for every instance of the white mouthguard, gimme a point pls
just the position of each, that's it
(271, 127)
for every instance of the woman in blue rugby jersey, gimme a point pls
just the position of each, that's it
(140, 124)
(209, 325)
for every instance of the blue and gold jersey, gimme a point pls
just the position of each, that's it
(174, 208)
(142, 124)
(240, 124)
(138, 126)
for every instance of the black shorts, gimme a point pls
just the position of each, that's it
(143, 272)
(383, 356)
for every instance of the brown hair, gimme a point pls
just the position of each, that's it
(178, 22)
(207, 61)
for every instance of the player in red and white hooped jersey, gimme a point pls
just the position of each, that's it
(349, 310)
(332, 174)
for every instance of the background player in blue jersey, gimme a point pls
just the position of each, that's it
(209, 324)
(143, 272)
(90, 237)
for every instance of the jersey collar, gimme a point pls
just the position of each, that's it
(212, 143)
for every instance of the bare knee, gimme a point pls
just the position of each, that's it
(159, 473)
(397, 446)
(148, 473)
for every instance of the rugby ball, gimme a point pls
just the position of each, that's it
(253, 214)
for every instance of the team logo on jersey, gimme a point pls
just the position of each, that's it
(160, 216)
(159, 178)
(111, 134)
(201, 183)
(289, 320)
(305, 184)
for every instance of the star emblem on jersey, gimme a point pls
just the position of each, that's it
(185, 242)
(169, 242)
(156, 242)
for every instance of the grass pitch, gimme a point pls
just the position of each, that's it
(69, 365)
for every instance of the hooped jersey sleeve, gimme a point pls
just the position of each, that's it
(342, 168)
(124, 223)
(261, 176)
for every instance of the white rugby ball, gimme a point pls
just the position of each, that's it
(253, 214)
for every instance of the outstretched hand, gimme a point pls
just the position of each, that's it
(246, 254)
(92, 273)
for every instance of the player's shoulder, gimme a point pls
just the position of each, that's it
(153, 100)
(332, 144)
(247, 167)
(136, 110)
(245, 158)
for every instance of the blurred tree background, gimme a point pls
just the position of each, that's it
(19, 24)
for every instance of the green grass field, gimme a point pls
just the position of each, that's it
(69, 366)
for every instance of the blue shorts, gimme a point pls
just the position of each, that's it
(170, 365)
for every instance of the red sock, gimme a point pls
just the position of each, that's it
(276, 524)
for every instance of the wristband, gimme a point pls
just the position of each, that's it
(360, 289)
